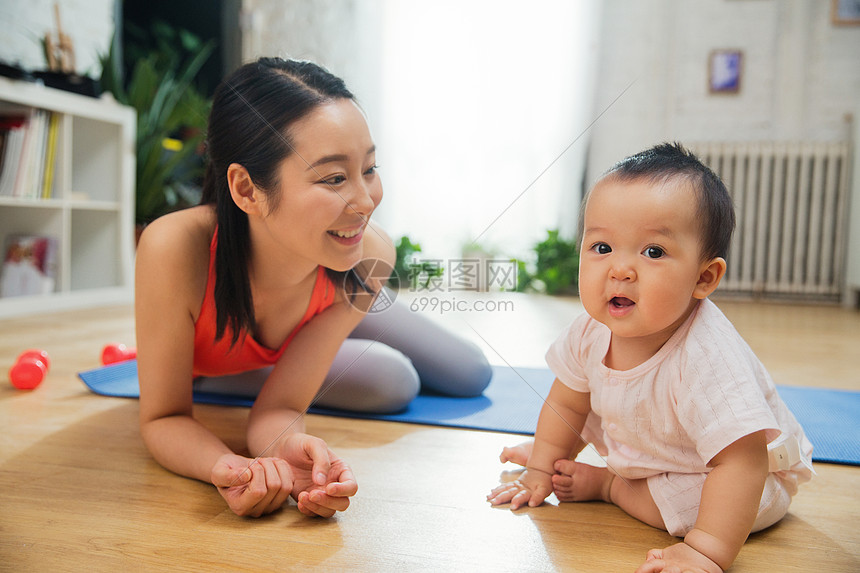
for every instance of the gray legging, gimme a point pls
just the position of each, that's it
(389, 357)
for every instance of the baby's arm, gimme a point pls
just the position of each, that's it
(727, 512)
(730, 499)
(560, 424)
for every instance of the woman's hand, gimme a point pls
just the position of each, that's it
(252, 488)
(322, 482)
(532, 488)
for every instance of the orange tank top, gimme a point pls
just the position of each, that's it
(216, 357)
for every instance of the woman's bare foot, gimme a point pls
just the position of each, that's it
(576, 481)
(518, 454)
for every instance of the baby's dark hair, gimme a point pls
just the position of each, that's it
(672, 160)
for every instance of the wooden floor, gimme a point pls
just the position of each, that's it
(78, 491)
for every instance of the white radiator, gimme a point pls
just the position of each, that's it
(791, 204)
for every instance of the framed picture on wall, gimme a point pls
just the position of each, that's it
(724, 71)
(845, 12)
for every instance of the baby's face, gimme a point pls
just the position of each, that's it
(640, 259)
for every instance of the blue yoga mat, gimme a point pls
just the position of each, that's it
(512, 402)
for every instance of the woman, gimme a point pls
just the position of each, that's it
(272, 271)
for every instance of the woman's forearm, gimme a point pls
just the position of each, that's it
(183, 445)
(266, 427)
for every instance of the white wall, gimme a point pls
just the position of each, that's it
(801, 74)
(333, 33)
(801, 81)
(89, 23)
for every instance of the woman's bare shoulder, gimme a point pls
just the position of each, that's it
(174, 250)
(181, 233)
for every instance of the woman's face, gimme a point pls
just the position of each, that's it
(328, 187)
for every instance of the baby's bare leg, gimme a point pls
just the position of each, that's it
(576, 481)
(581, 482)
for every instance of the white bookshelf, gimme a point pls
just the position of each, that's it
(91, 210)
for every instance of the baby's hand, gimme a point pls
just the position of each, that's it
(678, 557)
(533, 487)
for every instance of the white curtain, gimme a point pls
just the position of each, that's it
(479, 98)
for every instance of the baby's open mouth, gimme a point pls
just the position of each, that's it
(621, 302)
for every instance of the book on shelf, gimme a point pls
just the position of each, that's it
(29, 153)
(29, 265)
(12, 128)
(50, 157)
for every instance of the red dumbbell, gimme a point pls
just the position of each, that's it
(30, 369)
(117, 352)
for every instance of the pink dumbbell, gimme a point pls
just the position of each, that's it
(30, 369)
(117, 352)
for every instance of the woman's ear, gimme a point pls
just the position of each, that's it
(245, 194)
(710, 275)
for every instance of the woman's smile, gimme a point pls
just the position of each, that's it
(347, 236)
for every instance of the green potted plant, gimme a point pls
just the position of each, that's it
(171, 117)
(556, 270)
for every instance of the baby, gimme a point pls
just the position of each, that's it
(657, 379)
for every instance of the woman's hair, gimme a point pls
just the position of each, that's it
(668, 161)
(252, 111)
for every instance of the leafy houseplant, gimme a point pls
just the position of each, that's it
(406, 268)
(556, 270)
(171, 117)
